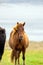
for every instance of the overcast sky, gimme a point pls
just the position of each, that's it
(31, 14)
(22, 1)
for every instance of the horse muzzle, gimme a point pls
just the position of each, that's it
(21, 38)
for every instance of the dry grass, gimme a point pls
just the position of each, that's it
(35, 46)
(32, 46)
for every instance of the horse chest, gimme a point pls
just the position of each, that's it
(18, 47)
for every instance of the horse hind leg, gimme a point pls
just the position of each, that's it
(12, 55)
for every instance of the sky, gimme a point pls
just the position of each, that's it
(31, 13)
(22, 1)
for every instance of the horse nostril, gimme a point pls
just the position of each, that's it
(20, 38)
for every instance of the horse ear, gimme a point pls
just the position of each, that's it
(23, 23)
(17, 22)
(15, 29)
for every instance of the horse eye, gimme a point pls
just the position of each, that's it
(16, 30)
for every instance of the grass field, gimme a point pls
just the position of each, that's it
(34, 55)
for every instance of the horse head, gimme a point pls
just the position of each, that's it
(20, 30)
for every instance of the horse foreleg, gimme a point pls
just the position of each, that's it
(19, 57)
(15, 60)
(18, 60)
(24, 57)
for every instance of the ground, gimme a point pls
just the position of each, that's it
(34, 54)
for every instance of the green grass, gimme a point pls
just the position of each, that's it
(33, 57)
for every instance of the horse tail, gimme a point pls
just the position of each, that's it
(12, 55)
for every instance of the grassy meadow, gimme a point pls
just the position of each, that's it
(34, 54)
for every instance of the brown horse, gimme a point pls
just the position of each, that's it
(18, 41)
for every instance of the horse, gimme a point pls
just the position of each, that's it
(18, 42)
(2, 41)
